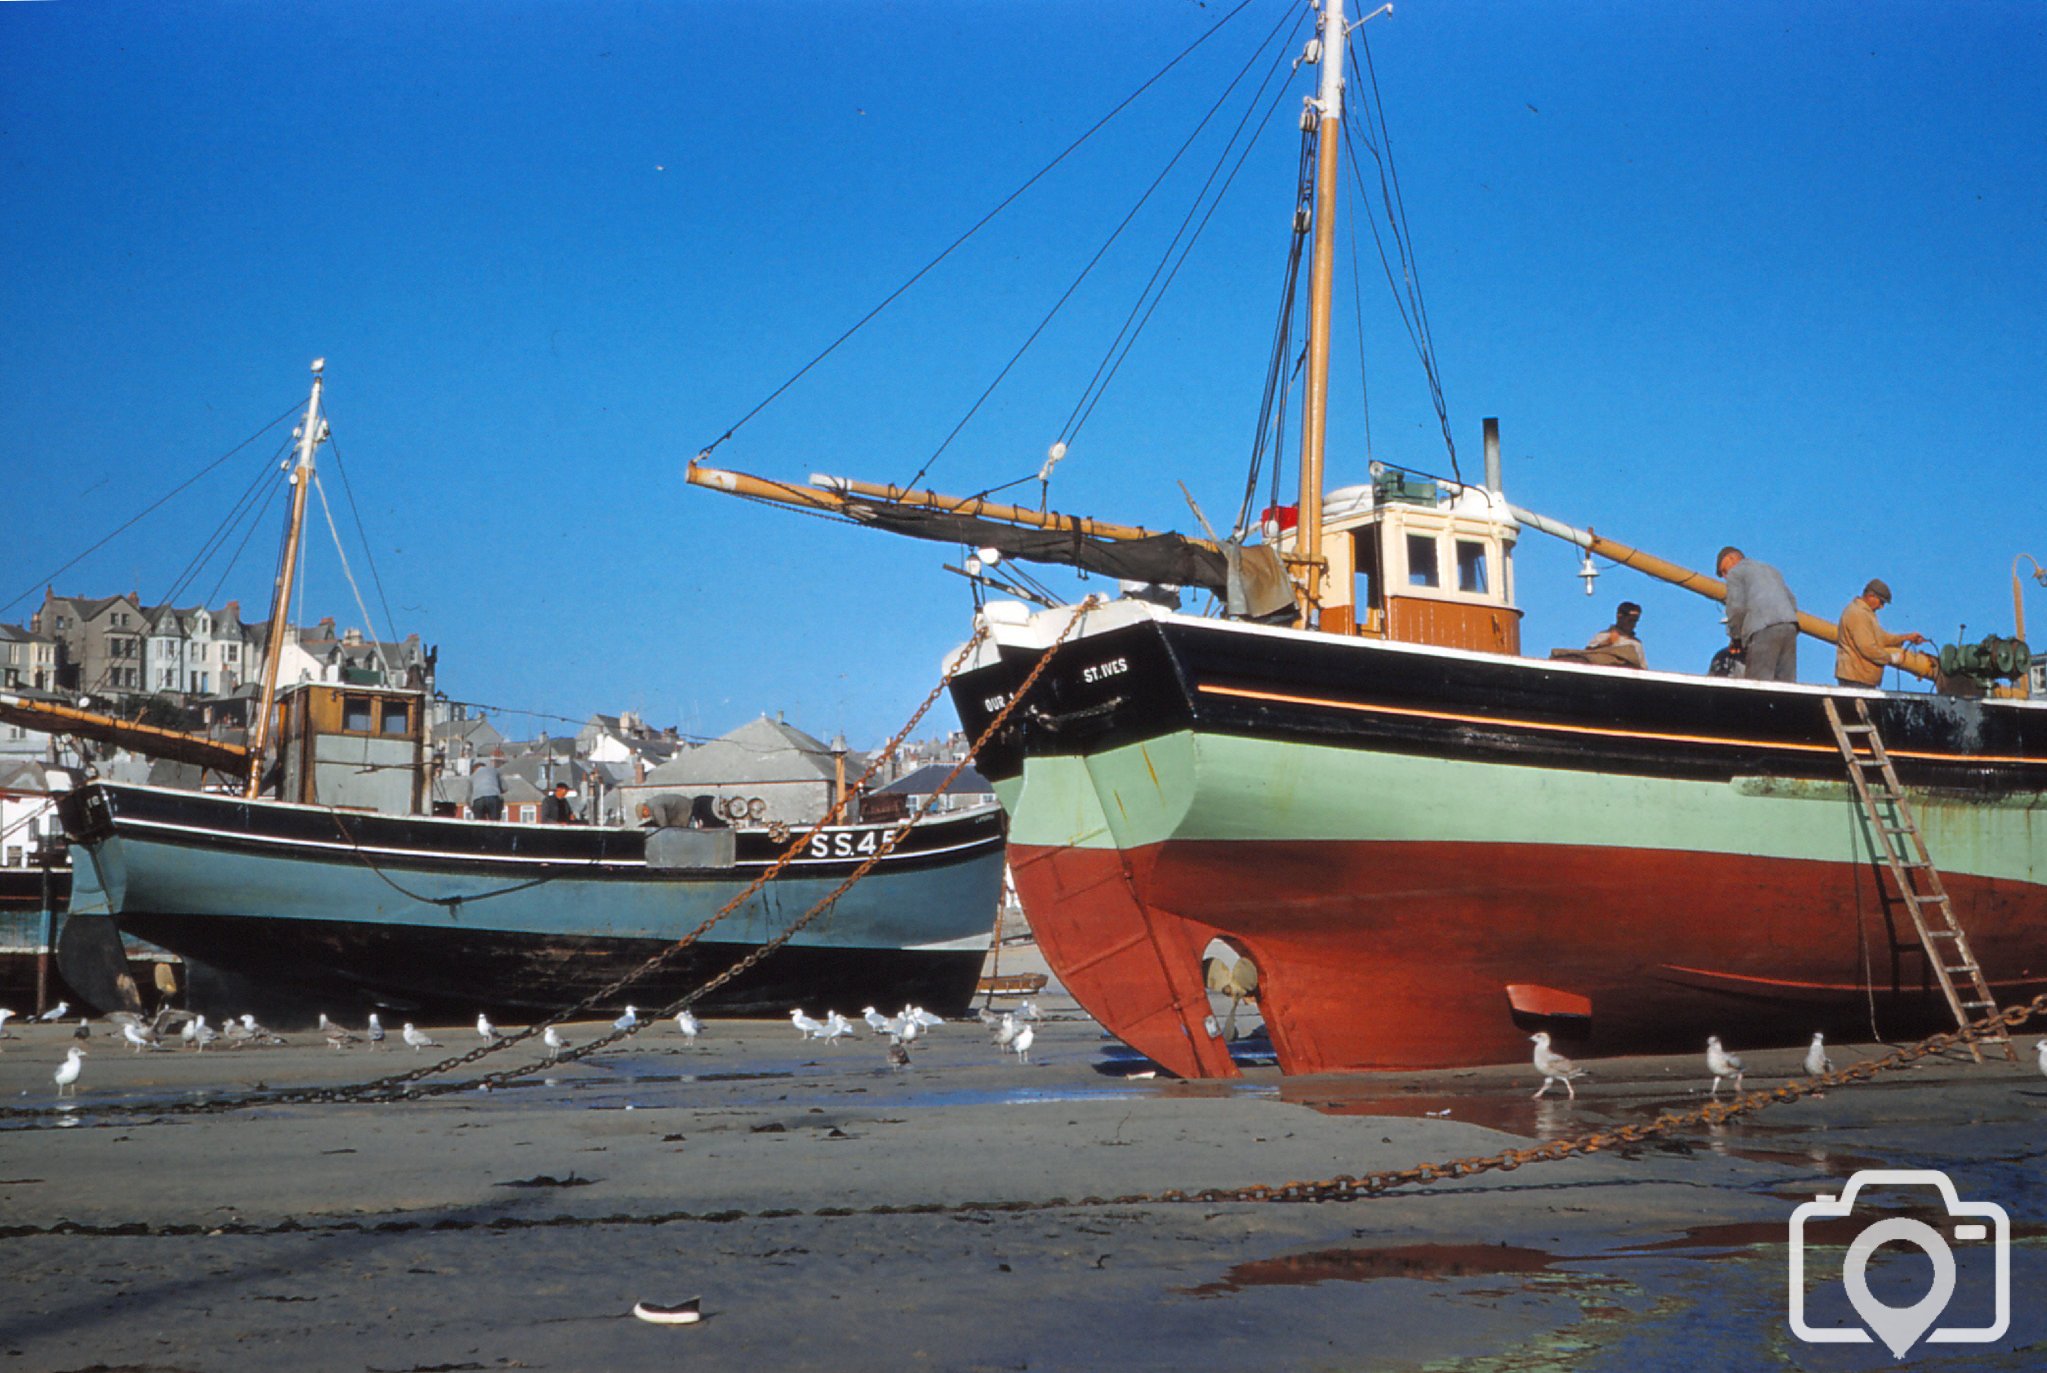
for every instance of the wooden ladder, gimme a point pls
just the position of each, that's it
(1918, 881)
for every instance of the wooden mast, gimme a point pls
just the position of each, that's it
(310, 435)
(1328, 109)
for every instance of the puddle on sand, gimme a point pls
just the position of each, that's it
(1514, 1115)
(1367, 1265)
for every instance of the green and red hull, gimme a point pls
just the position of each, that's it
(1428, 853)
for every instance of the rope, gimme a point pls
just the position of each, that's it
(376, 646)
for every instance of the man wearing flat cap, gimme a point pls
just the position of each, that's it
(1865, 648)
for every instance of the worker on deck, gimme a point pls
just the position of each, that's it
(556, 809)
(1762, 617)
(1865, 647)
(1618, 645)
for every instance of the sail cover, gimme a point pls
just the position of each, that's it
(1167, 559)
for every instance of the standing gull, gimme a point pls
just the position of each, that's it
(2041, 1050)
(687, 1025)
(5, 1016)
(1816, 1060)
(484, 1029)
(1553, 1066)
(66, 1076)
(552, 1038)
(1022, 1044)
(629, 1021)
(55, 1014)
(876, 1021)
(376, 1031)
(805, 1026)
(84, 1030)
(138, 1037)
(204, 1035)
(1722, 1064)
(418, 1039)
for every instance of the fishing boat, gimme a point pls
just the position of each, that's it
(1347, 787)
(308, 869)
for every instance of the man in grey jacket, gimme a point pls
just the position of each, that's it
(1762, 618)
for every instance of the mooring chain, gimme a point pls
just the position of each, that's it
(888, 844)
(385, 1087)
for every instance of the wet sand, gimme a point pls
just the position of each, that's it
(439, 1234)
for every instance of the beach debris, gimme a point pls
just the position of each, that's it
(417, 1038)
(805, 1025)
(629, 1021)
(1722, 1064)
(1553, 1066)
(55, 1013)
(1816, 1060)
(552, 1038)
(66, 1076)
(683, 1313)
(688, 1026)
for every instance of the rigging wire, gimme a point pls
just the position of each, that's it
(1407, 292)
(348, 574)
(256, 522)
(1214, 203)
(244, 506)
(148, 510)
(369, 554)
(976, 227)
(1101, 252)
(1272, 405)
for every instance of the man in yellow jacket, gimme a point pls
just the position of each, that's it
(1865, 648)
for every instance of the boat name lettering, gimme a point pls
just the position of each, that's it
(1101, 672)
(847, 844)
(991, 704)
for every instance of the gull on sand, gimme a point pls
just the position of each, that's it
(1722, 1064)
(1553, 1066)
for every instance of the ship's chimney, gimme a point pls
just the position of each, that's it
(1492, 456)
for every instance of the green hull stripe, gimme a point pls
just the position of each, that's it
(1209, 787)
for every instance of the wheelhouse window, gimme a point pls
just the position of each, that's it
(1471, 566)
(1421, 561)
(356, 716)
(391, 719)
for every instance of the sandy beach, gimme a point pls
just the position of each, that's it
(822, 1205)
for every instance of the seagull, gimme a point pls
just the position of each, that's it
(418, 1039)
(55, 1014)
(1005, 1031)
(630, 1020)
(253, 1030)
(808, 1028)
(190, 1034)
(5, 1016)
(898, 1057)
(484, 1029)
(1553, 1066)
(84, 1030)
(923, 1017)
(376, 1031)
(687, 1025)
(876, 1021)
(338, 1038)
(1816, 1060)
(551, 1037)
(836, 1027)
(2041, 1050)
(1029, 1011)
(139, 1037)
(1022, 1044)
(66, 1076)
(908, 1026)
(1722, 1064)
(204, 1035)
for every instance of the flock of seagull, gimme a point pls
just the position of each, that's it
(1011, 1032)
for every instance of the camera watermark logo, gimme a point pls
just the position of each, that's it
(1901, 1327)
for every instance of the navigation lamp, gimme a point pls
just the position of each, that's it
(989, 556)
(1588, 571)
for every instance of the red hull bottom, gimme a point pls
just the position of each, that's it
(1400, 955)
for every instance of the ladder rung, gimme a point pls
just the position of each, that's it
(1858, 729)
(1979, 1005)
(1943, 934)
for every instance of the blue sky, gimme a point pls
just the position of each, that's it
(1769, 275)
